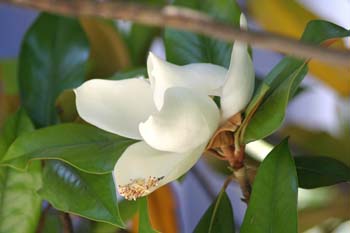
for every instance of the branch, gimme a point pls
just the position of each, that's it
(186, 19)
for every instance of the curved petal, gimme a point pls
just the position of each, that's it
(186, 120)
(204, 77)
(239, 85)
(116, 106)
(142, 169)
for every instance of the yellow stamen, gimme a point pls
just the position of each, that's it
(138, 187)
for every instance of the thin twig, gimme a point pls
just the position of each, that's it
(183, 18)
(66, 222)
(42, 220)
(227, 182)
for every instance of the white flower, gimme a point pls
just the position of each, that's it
(172, 114)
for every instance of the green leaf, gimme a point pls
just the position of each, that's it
(75, 144)
(15, 126)
(19, 203)
(318, 31)
(139, 42)
(88, 195)
(318, 171)
(186, 47)
(128, 209)
(8, 73)
(253, 105)
(144, 220)
(218, 218)
(258, 96)
(53, 57)
(273, 203)
(270, 114)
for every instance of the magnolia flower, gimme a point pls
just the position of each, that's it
(172, 114)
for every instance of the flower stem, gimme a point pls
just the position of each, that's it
(243, 181)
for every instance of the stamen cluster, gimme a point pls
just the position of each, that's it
(138, 187)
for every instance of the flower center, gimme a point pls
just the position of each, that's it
(138, 187)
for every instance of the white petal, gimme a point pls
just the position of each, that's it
(239, 86)
(141, 162)
(204, 77)
(186, 120)
(116, 106)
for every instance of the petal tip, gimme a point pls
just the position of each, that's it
(151, 57)
(75, 90)
(243, 22)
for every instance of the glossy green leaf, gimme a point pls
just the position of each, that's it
(253, 105)
(144, 220)
(53, 57)
(75, 144)
(187, 47)
(318, 171)
(19, 203)
(259, 94)
(88, 195)
(270, 114)
(273, 203)
(218, 218)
